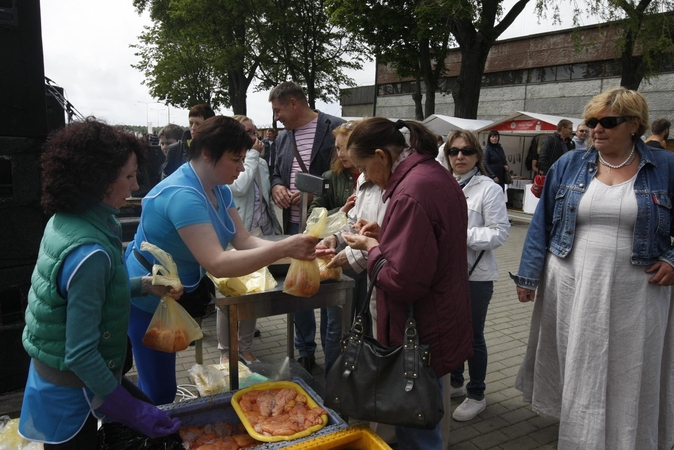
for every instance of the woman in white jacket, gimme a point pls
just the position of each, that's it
(251, 194)
(488, 228)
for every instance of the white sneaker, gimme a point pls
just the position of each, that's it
(457, 392)
(469, 409)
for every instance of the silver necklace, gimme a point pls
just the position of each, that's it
(627, 162)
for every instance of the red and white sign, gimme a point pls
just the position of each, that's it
(524, 125)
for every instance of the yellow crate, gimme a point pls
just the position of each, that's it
(359, 437)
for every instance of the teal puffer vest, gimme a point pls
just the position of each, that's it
(45, 333)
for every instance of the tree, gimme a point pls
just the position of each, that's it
(209, 37)
(644, 31)
(178, 72)
(233, 42)
(474, 27)
(298, 42)
(413, 37)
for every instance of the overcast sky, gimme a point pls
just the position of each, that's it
(86, 52)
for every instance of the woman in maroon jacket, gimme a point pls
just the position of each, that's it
(423, 237)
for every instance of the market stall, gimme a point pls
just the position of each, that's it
(517, 132)
(442, 125)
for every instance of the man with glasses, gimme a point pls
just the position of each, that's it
(582, 136)
(555, 146)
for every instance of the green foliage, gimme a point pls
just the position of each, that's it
(643, 30)
(212, 50)
(297, 41)
(178, 69)
(197, 51)
(412, 37)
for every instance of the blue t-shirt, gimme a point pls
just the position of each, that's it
(176, 202)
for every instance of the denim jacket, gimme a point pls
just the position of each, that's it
(553, 225)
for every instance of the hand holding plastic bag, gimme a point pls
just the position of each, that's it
(304, 277)
(328, 273)
(171, 328)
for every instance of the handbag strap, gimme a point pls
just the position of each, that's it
(358, 326)
(479, 257)
(297, 154)
(370, 287)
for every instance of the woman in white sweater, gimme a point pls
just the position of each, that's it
(488, 228)
(251, 194)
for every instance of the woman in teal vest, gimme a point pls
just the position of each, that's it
(78, 305)
(191, 214)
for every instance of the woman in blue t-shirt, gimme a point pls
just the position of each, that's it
(191, 215)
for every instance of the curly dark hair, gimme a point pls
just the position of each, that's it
(81, 161)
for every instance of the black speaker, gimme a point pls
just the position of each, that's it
(56, 116)
(22, 93)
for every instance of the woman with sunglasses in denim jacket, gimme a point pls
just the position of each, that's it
(488, 229)
(599, 254)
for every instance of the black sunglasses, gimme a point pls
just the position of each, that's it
(606, 122)
(467, 151)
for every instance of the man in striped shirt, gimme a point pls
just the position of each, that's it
(307, 138)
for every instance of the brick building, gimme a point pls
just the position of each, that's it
(554, 73)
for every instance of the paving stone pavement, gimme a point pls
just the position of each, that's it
(507, 423)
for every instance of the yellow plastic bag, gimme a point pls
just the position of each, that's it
(171, 328)
(328, 274)
(304, 277)
(259, 281)
(10, 439)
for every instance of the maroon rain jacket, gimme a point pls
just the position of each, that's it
(423, 237)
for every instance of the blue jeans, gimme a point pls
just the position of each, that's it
(305, 321)
(480, 296)
(305, 327)
(331, 333)
(419, 439)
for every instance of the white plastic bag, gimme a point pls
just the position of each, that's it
(10, 438)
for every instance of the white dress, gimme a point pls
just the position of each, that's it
(600, 356)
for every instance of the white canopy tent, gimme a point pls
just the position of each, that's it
(442, 125)
(517, 131)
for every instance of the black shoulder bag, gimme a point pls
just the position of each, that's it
(392, 385)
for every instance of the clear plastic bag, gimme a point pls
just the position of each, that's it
(171, 328)
(214, 378)
(334, 273)
(304, 277)
(10, 439)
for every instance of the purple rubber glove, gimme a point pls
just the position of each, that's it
(138, 415)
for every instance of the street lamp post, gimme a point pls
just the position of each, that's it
(147, 114)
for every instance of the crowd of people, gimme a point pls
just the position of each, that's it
(597, 262)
